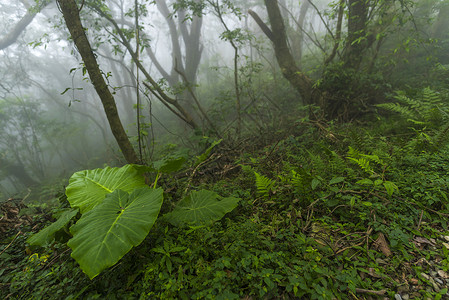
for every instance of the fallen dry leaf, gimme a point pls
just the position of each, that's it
(443, 274)
(422, 240)
(373, 273)
(382, 245)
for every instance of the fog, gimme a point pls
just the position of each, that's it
(53, 123)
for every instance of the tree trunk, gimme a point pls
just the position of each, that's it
(357, 34)
(71, 16)
(287, 64)
(11, 37)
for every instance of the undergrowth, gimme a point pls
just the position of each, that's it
(329, 212)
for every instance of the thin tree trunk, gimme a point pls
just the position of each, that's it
(71, 16)
(338, 33)
(15, 31)
(172, 104)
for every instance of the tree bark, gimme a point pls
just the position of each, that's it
(287, 64)
(71, 16)
(357, 33)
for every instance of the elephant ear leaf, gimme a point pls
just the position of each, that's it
(201, 208)
(47, 235)
(88, 188)
(107, 232)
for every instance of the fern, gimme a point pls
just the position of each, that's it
(317, 162)
(296, 180)
(431, 96)
(264, 185)
(374, 158)
(363, 160)
(425, 109)
(398, 108)
(441, 137)
(352, 152)
(363, 164)
(336, 163)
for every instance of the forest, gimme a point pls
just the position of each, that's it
(224, 149)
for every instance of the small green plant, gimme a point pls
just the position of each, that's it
(118, 210)
(365, 162)
(426, 113)
(424, 109)
(264, 185)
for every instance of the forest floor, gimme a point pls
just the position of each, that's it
(325, 212)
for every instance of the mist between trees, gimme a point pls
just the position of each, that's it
(88, 83)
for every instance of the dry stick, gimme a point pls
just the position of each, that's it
(308, 219)
(420, 219)
(356, 245)
(11, 242)
(349, 247)
(27, 195)
(367, 240)
(196, 169)
(372, 292)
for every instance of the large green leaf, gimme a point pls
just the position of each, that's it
(169, 165)
(107, 232)
(199, 208)
(47, 235)
(88, 188)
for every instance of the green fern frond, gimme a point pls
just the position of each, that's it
(264, 185)
(374, 158)
(353, 153)
(430, 96)
(441, 137)
(411, 103)
(420, 111)
(336, 163)
(398, 108)
(296, 179)
(363, 164)
(317, 162)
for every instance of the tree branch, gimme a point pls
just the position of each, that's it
(261, 24)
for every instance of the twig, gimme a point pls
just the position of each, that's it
(11, 242)
(420, 219)
(372, 292)
(195, 170)
(27, 195)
